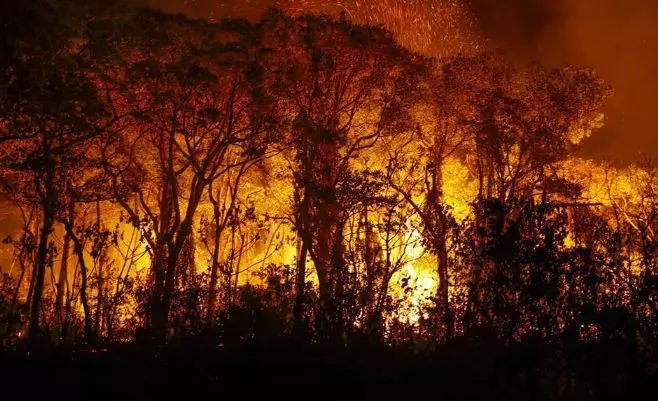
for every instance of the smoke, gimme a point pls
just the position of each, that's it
(252, 9)
(617, 38)
(515, 25)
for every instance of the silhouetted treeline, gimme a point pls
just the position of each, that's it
(238, 184)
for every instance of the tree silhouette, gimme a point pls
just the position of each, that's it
(55, 114)
(344, 88)
(197, 110)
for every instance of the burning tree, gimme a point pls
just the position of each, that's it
(198, 113)
(51, 113)
(344, 87)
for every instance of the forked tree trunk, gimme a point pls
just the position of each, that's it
(162, 304)
(79, 251)
(160, 318)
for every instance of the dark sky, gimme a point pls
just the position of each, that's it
(618, 38)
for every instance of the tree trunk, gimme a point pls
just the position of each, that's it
(338, 267)
(33, 261)
(100, 293)
(30, 288)
(212, 288)
(444, 285)
(300, 284)
(67, 315)
(237, 267)
(89, 335)
(61, 282)
(48, 206)
(158, 266)
(79, 251)
(98, 316)
(161, 314)
(440, 224)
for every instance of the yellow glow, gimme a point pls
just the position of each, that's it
(458, 187)
(419, 276)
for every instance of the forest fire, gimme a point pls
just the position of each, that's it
(355, 180)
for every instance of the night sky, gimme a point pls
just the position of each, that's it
(615, 37)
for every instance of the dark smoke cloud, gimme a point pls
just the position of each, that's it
(516, 25)
(618, 38)
(215, 8)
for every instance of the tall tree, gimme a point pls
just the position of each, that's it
(344, 87)
(50, 112)
(193, 89)
(521, 125)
